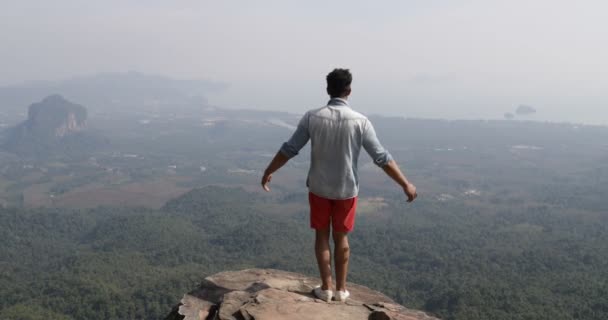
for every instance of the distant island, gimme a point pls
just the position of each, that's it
(523, 110)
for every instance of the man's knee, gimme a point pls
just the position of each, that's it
(345, 251)
(341, 240)
(342, 253)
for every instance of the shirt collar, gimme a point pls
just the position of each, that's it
(338, 102)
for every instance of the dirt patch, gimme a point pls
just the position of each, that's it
(282, 209)
(150, 194)
(38, 196)
(371, 206)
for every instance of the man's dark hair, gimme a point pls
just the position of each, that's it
(338, 82)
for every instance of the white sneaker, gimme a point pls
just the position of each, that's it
(324, 295)
(342, 295)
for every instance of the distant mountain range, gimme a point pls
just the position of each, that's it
(113, 90)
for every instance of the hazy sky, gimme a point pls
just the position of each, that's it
(417, 58)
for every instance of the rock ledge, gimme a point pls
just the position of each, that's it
(267, 294)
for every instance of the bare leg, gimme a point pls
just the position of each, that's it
(323, 254)
(341, 256)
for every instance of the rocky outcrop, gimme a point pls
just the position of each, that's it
(55, 116)
(53, 126)
(266, 294)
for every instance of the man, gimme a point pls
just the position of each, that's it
(337, 134)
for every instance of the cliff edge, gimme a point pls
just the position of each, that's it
(267, 294)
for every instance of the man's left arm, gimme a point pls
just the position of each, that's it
(385, 161)
(288, 150)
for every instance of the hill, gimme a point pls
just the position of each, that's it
(54, 125)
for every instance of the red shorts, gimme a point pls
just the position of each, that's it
(341, 213)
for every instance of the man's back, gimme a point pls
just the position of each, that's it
(337, 134)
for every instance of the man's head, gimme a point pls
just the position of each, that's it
(338, 83)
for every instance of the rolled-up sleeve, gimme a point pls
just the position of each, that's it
(371, 144)
(298, 140)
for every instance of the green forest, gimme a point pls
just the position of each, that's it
(456, 260)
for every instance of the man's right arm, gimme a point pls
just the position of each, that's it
(288, 150)
(384, 160)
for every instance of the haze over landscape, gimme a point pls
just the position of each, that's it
(433, 59)
(133, 136)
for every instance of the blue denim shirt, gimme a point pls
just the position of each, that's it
(337, 134)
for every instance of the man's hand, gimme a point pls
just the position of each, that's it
(277, 162)
(393, 171)
(410, 191)
(266, 180)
